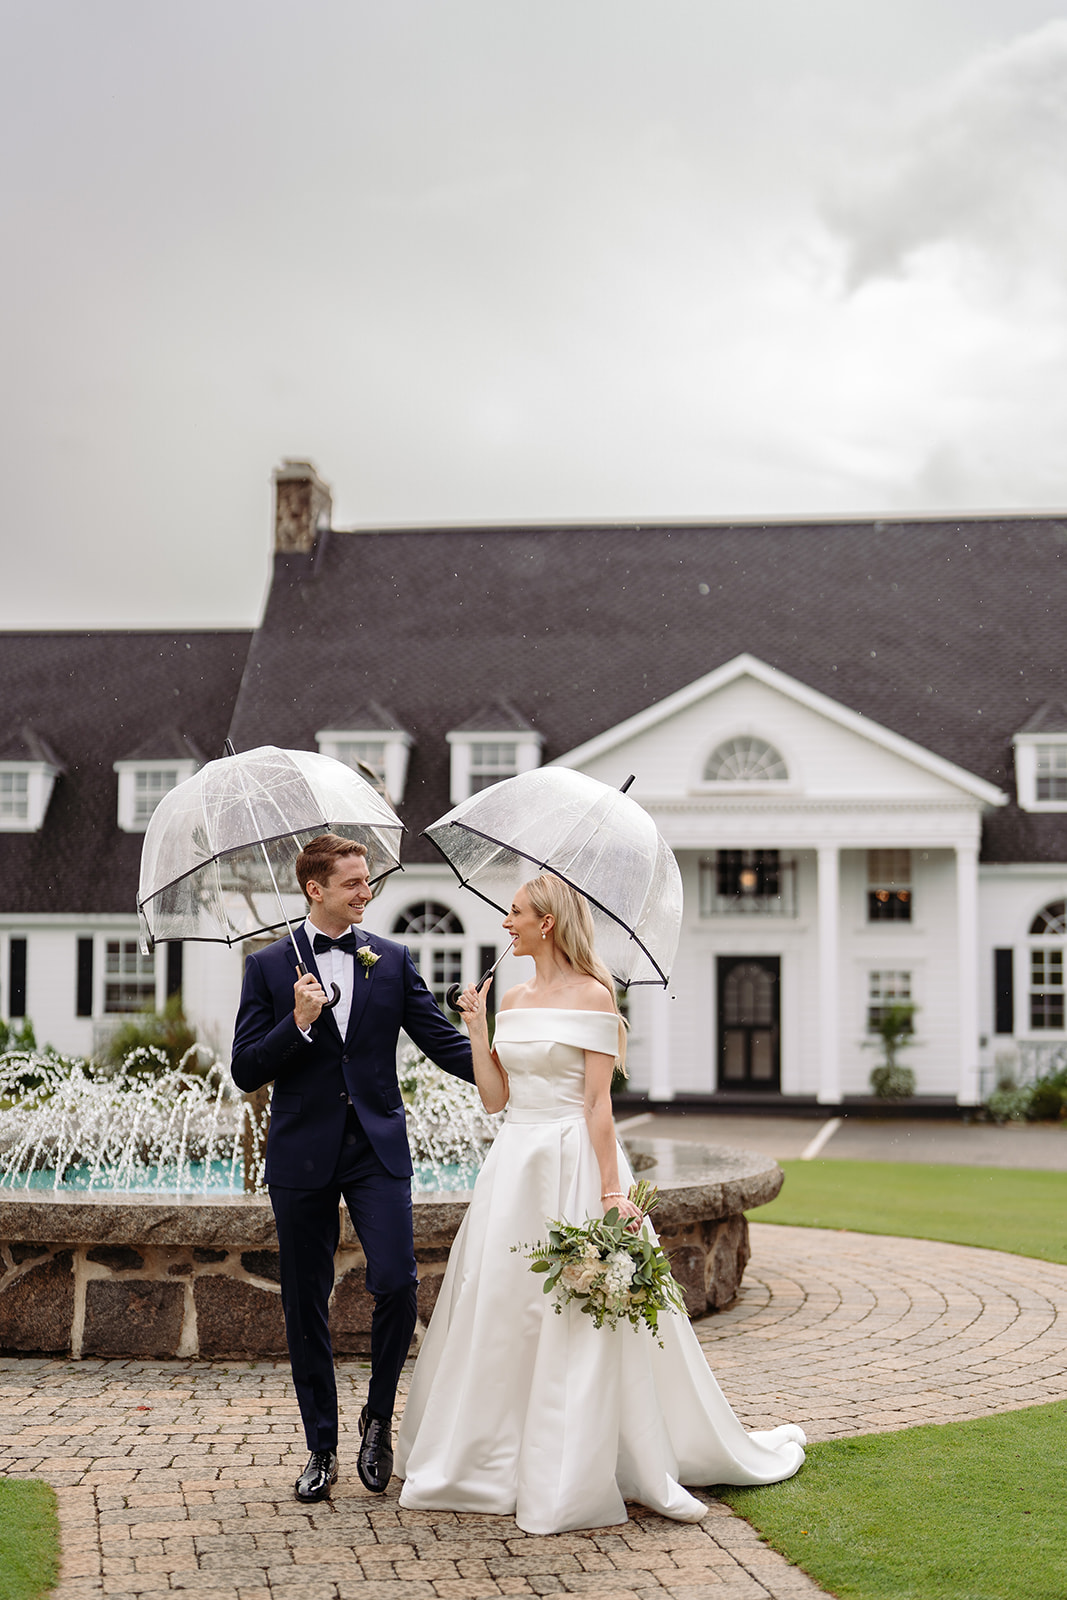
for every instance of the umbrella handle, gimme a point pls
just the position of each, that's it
(327, 1005)
(454, 990)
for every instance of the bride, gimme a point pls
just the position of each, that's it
(514, 1410)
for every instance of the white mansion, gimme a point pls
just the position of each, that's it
(852, 734)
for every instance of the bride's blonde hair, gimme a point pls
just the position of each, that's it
(573, 933)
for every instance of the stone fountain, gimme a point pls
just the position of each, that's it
(117, 1268)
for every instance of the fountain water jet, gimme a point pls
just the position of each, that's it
(153, 1127)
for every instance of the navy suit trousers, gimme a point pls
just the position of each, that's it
(308, 1227)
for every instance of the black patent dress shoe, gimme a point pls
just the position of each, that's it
(317, 1477)
(375, 1460)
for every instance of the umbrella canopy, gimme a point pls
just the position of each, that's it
(596, 838)
(221, 848)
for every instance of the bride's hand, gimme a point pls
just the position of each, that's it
(632, 1215)
(472, 1004)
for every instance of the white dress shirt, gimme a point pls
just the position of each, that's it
(336, 966)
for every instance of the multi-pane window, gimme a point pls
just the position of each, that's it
(365, 756)
(885, 990)
(745, 760)
(14, 794)
(1046, 989)
(1051, 772)
(434, 935)
(491, 761)
(446, 968)
(129, 977)
(747, 882)
(746, 872)
(149, 787)
(888, 885)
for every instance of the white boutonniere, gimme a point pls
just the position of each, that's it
(367, 958)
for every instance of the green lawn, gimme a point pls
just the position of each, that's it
(29, 1539)
(963, 1511)
(1001, 1208)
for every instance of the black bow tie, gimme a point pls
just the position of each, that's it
(323, 942)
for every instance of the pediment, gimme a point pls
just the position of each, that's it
(828, 752)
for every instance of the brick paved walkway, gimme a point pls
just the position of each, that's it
(178, 1475)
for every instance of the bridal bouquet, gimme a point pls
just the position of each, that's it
(610, 1270)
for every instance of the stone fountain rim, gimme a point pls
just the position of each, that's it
(697, 1183)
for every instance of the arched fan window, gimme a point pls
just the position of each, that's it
(427, 917)
(1050, 920)
(745, 760)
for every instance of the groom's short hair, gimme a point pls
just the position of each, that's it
(319, 857)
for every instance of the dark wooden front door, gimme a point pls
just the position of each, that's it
(749, 1023)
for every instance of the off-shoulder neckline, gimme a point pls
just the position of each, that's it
(561, 1011)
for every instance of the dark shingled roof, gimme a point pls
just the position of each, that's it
(26, 744)
(94, 698)
(499, 716)
(949, 632)
(167, 744)
(1049, 718)
(372, 717)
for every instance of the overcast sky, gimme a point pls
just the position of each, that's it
(513, 259)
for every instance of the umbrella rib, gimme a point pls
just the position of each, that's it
(545, 866)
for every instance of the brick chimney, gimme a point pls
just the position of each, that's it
(302, 506)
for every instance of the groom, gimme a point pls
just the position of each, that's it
(337, 1131)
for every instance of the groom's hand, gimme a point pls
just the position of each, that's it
(309, 997)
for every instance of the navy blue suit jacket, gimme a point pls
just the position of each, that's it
(313, 1081)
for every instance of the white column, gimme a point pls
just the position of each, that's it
(658, 1014)
(829, 978)
(967, 964)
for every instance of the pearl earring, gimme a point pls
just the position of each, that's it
(543, 934)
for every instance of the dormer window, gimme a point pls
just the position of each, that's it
(1041, 761)
(374, 745)
(366, 756)
(150, 772)
(745, 759)
(14, 795)
(496, 743)
(1051, 771)
(28, 773)
(142, 786)
(150, 784)
(491, 762)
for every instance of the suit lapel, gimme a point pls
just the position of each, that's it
(362, 980)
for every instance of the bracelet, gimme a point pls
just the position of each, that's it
(614, 1194)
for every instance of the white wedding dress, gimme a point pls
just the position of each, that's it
(515, 1410)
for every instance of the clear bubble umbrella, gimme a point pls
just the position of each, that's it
(220, 849)
(594, 837)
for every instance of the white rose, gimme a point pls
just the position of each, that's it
(578, 1277)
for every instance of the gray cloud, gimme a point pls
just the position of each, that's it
(976, 165)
